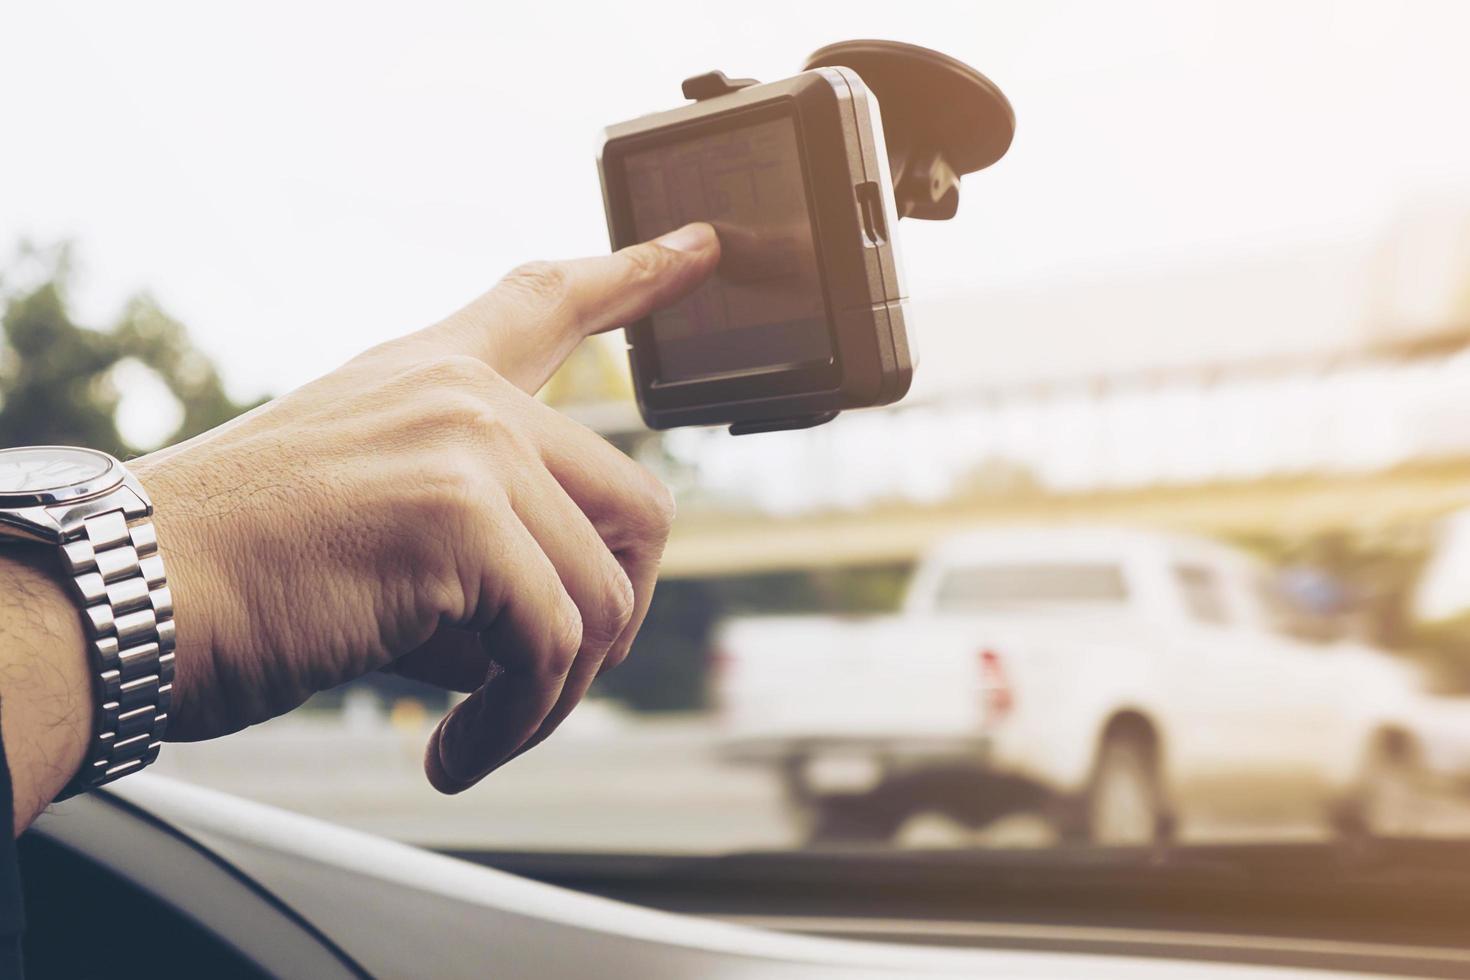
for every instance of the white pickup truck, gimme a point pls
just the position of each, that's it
(1118, 681)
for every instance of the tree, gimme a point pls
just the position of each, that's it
(56, 376)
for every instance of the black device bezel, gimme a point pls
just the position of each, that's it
(869, 363)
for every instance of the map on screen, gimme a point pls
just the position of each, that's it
(764, 306)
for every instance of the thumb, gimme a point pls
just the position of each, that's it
(535, 317)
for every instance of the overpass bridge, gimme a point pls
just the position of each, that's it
(1315, 389)
(713, 544)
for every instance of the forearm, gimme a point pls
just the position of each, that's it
(45, 689)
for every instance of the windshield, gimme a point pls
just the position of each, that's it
(1195, 352)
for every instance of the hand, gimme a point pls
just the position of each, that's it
(419, 508)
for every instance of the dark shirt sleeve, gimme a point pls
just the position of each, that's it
(12, 911)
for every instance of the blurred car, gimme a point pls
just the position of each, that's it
(1120, 682)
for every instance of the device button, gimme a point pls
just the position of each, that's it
(713, 83)
(870, 207)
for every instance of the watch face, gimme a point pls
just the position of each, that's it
(43, 470)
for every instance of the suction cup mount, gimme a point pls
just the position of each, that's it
(941, 118)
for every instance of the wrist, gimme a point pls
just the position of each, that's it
(99, 588)
(46, 700)
(191, 588)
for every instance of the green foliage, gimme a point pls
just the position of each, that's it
(55, 375)
(1381, 571)
(1378, 569)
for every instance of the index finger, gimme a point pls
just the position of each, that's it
(535, 317)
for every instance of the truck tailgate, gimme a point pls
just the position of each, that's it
(826, 677)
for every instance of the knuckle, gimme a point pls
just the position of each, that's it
(455, 411)
(437, 394)
(545, 284)
(646, 263)
(645, 512)
(563, 641)
(615, 605)
(470, 422)
(656, 507)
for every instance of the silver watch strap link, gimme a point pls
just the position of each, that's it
(117, 572)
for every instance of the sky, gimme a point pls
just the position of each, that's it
(296, 181)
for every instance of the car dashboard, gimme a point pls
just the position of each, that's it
(243, 890)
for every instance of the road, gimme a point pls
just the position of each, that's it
(603, 782)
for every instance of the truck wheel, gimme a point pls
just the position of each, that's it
(1388, 801)
(1124, 804)
(850, 818)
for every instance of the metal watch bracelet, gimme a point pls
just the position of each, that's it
(117, 574)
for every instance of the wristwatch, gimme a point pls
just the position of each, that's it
(97, 514)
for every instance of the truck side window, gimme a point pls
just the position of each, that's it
(1203, 596)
